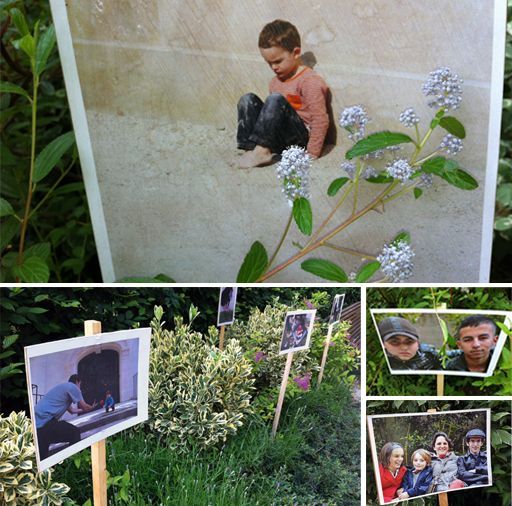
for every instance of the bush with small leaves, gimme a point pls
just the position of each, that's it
(198, 394)
(20, 483)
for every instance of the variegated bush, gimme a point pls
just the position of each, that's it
(198, 395)
(20, 483)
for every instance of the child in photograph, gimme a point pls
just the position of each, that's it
(50, 409)
(402, 344)
(472, 467)
(109, 402)
(391, 470)
(418, 478)
(477, 336)
(295, 112)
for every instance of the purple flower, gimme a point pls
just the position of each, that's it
(260, 356)
(303, 382)
(308, 304)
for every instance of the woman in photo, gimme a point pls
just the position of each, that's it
(444, 464)
(391, 469)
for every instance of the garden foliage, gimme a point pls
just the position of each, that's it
(198, 394)
(20, 483)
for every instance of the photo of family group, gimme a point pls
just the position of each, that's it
(453, 342)
(420, 454)
(84, 389)
(297, 330)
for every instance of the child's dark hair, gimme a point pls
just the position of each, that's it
(74, 378)
(279, 33)
(386, 451)
(475, 321)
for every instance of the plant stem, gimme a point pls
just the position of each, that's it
(287, 228)
(398, 194)
(304, 251)
(356, 184)
(26, 217)
(423, 160)
(354, 252)
(331, 214)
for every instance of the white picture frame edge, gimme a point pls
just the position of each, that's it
(84, 145)
(495, 356)
(144, 337)
(375, 457)
(305, 346)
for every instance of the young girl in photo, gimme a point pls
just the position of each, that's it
(418, 478)
(391, 469)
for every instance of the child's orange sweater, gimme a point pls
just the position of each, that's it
(307, 94)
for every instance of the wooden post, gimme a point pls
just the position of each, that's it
(279, 406)
(443, 496)
(221, 337)
(98, 450)
(324, 356)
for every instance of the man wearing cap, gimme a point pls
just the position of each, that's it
(476, 337)
(472, 467)
(402, 344)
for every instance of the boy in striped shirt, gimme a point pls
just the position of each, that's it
(295, 112)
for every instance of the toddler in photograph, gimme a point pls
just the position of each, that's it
(418, 478)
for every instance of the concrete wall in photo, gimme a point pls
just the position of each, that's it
(49, 370)
(161, 81)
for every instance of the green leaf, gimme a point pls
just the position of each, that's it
(435, 165)
(303, 215)
(6, 87)
(376, 141)
(9, 340)
(503, 224)
(367, 271)
(336, 185)
(437, 118)
(254, 265)
(32, 270)
(9, 228)
(453, 126)
(51, 155)
(460, 179)
(6, 208)
(381, 178)
(27, 44)
(418, 192)
(504, 194)
(402, 237)
(20, 21)
(324, 269)
(44, 48)
(41, 250)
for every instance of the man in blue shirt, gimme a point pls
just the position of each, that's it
(50, 409)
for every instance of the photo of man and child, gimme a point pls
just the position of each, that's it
(427, 453)
(83, 390)
(456, 343)
(297, 330)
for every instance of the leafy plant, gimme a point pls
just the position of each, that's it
(198, 394)
(408, 174)
(20, 483)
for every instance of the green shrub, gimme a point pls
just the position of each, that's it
(20, 483)
(198, 395)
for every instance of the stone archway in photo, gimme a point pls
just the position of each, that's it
(99, 372)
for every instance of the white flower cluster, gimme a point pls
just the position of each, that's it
(400, 169)
(354, 119)
(349, 168)
(426, 180)
(370, 172)
(409, 118)
(293, 170)
(395, 261)
(444, 86)
(451, 144)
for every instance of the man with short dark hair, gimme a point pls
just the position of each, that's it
(476, 337)
(472, 467)
(50, 409)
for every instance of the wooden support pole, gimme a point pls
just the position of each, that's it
(98, 450)
(440, 384)
(221, 337)
(443, 496)
(324, 356)
(279, 406)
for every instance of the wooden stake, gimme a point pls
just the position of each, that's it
(440, 384)
(443, 496)
(324, 356)
(98, 450)
(221, 337)
(279, 406)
